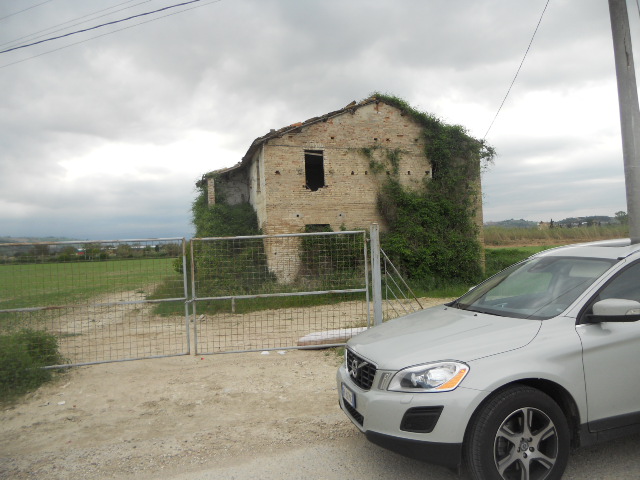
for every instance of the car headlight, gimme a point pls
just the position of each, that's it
(432, 377)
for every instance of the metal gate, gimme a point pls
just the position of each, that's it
(103, 301)
(256, 293)
(119, 300)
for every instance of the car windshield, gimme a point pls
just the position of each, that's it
(538, 288)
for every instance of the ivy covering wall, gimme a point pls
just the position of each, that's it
(434, 235)
(221, 219)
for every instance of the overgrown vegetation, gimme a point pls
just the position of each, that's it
(224, 220)
(331, 262)
(22, 356)
(498, 259)
(226, 267)
(221, 219)
(433, 232)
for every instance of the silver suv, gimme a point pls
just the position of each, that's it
(506, 379)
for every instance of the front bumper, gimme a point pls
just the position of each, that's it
(382, 416)
(445, 454)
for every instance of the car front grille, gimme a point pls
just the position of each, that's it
(360, 371)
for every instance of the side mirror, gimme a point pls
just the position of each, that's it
(615, 310)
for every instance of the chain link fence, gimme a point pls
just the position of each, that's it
(79, 303)
(101, 301)
(279, 291)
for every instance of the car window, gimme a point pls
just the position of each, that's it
(539, 288)
(625, 285)
(521, 283)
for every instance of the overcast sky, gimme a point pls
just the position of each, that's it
(106, 138)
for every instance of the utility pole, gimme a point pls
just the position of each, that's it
(629, 111)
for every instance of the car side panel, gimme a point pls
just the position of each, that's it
(611, 354)
(554, 355)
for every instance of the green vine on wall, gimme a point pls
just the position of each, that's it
(391, 156)
(222, 219)
(433, 233)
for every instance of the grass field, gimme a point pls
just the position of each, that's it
(57, 284)
(499, 236)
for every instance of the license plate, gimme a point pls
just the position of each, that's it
(348, 396)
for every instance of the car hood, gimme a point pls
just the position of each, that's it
(441, 333)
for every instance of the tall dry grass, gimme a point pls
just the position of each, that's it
(499, 236)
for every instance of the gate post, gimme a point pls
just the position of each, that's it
(376, 274)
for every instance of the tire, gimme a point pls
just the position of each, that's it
(501, 445)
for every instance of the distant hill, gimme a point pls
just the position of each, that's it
(512, 223)
(566, 222)
(33, 239)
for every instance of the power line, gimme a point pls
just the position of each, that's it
(105, 34)
(24, 10)
(100, 26)
(518, 71)
(73, 20)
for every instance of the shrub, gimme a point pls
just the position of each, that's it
(22, 356)
(222, 219)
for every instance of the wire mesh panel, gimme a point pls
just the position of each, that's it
(97, 302)
(398, 298)
(280, 291)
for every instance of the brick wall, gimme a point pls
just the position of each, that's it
(348, 198)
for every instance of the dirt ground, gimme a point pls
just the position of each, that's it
(137, 419)
(160, 417)
(179, 417)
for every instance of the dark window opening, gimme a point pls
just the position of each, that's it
(314, 169)
(317, 227)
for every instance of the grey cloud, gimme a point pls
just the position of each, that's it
(240, 68)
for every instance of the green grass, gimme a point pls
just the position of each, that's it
(500, 236)
(56, 284)
(496, 259)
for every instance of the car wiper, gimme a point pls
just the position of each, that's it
(486, 311)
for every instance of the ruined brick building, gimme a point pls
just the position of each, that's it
(315, 173)
(325, 173)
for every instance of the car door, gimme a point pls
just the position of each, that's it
(611, 353)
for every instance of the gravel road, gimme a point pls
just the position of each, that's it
(356, 458)
(247, 416)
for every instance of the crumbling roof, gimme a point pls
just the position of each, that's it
(293, 128)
